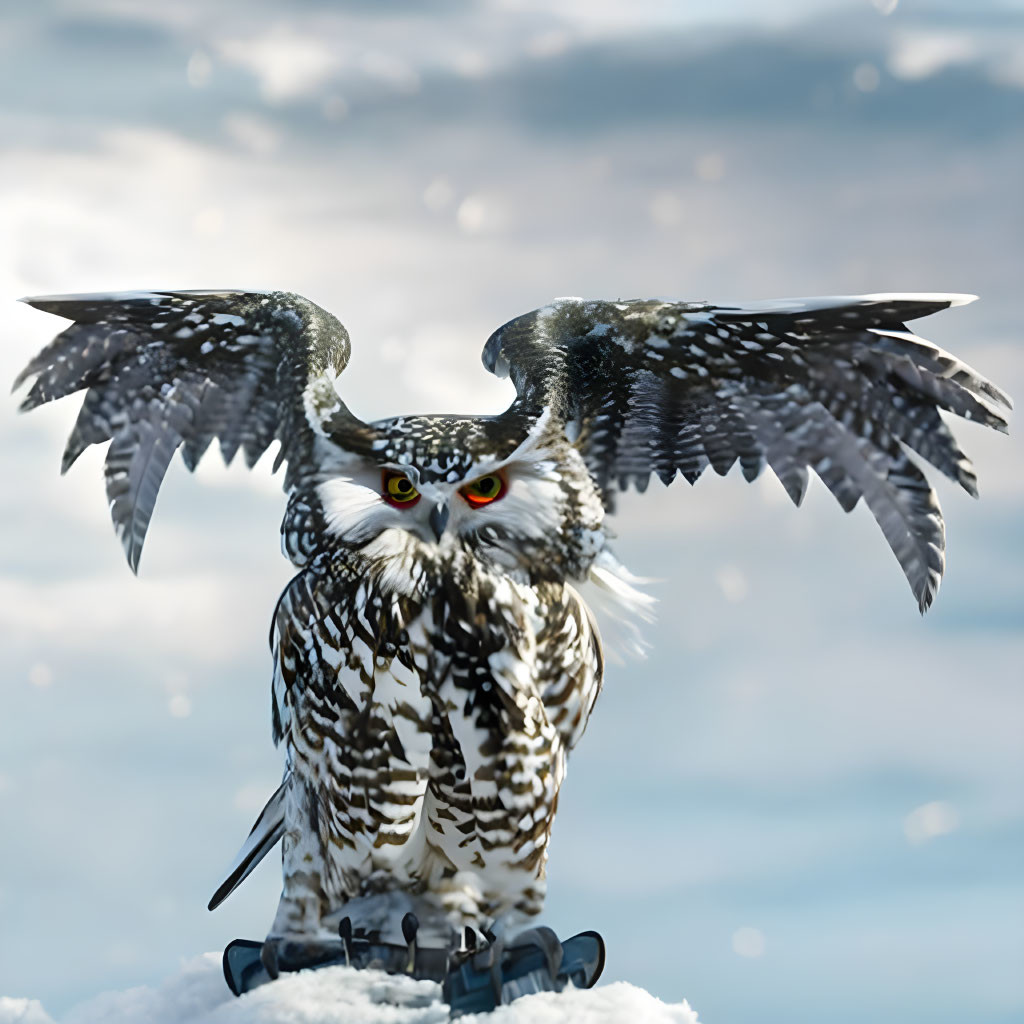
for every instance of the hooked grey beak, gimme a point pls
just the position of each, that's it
(439, 519)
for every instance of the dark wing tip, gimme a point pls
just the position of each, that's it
(222, 893)
(89, 307)
(927, 596)
(124, 527)
(74, 305)
(41, 301)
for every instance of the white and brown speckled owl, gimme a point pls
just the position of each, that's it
(433, 659)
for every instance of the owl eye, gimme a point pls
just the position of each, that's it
(484, 490)
(399, 490)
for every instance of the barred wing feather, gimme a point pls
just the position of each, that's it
(838, 386)
(169, 369)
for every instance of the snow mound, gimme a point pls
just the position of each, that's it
(338, 995)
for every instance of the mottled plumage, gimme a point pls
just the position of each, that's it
(433, 659)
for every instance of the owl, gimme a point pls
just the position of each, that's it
(435, 657)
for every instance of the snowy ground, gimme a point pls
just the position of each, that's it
(336, 995)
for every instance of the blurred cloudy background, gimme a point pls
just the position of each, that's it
(808, 804)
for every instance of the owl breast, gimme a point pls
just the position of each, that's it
(427, 735)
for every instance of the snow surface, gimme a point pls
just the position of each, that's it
(337, 995)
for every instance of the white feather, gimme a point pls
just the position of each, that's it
(620, 608)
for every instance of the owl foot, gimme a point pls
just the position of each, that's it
(249, 964)
(483, 972)
(534, 961)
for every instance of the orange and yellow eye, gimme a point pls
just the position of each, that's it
(399, 490)
(484, 490)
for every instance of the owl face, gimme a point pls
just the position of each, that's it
(435, 486)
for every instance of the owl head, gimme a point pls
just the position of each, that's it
(516, 494)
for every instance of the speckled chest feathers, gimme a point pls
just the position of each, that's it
(434, 663)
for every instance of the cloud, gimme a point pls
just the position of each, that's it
(289, 64)
(587, 69)
(84, 613)
(920, 55)
(100, 36)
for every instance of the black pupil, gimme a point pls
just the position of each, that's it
(403, 487)
(487, 485)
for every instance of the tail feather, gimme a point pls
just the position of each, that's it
(265, 834)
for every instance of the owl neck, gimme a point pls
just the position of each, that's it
(399, 565)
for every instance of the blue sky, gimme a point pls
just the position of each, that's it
(808, 803)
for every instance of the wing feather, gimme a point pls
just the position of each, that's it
(178, 369)
(838, 386)
(266, 833)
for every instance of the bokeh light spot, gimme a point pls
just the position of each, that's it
(748, 942)
(40, 675)
(937, 818)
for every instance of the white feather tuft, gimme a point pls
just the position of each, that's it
(352, 510)
(620, 608)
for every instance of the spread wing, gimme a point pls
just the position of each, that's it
(163, 370)
(839, 386)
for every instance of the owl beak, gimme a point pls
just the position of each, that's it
(439, 519)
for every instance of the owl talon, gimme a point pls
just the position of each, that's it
(345, 932)
(410, 926)
(535, 961)
(269, 959)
